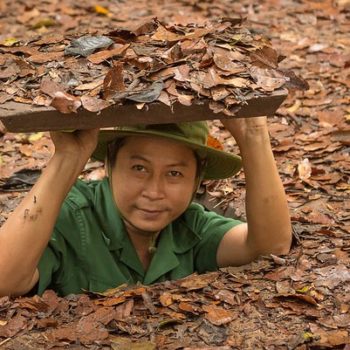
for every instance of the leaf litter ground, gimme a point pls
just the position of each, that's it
(300, 301)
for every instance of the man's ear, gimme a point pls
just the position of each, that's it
(107, 167)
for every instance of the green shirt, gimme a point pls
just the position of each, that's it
(91, 250)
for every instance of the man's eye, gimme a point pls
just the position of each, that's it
(175, 173)
(138, 167)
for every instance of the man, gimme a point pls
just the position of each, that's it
(139, 224)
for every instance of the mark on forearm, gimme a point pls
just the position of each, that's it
(26, 213)
(34, 200)
(32, 216)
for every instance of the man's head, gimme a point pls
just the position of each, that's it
(155, 169)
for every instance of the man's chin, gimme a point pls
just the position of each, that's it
(142, 228)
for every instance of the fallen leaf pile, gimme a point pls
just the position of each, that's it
(300, 301)
(220, 61)
(220, 309)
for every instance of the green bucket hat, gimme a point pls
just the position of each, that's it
(219, 164)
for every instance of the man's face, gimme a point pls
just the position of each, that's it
(153, 182)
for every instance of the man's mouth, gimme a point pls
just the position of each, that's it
(152, 211)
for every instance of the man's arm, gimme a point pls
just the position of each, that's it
(25, 234)
(268, 227)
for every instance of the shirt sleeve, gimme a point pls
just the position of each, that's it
(211, 227)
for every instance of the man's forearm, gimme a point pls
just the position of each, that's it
(25, 234)
(269, 228)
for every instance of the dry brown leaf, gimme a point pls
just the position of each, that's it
(267, 79)
(304, 169)
(101, 56)
(265, 57)
(114, 81)
(342, 136)
(13, 326)
(332, 276)
(90, 86)
(198, 33)
(93, 104)
(10, 71)
(111, 301)
(35, 303)
(164, 98)
(211, 78)
(65, 103)
(166, 299)
(185, 100)
(24, 67)
(226, 296)
(44, 57)
(187, 307)
(329, 118)
(46, 323)
(217, 315)
(194, 281)
(189, 47)
(303, 297)
(162, 34)
(219, 93)
(226, 64)
(50, 88)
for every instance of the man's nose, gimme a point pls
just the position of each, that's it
(154, 187)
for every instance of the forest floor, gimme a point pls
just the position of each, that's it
(298, 301)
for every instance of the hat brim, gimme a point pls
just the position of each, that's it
(220, 164)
